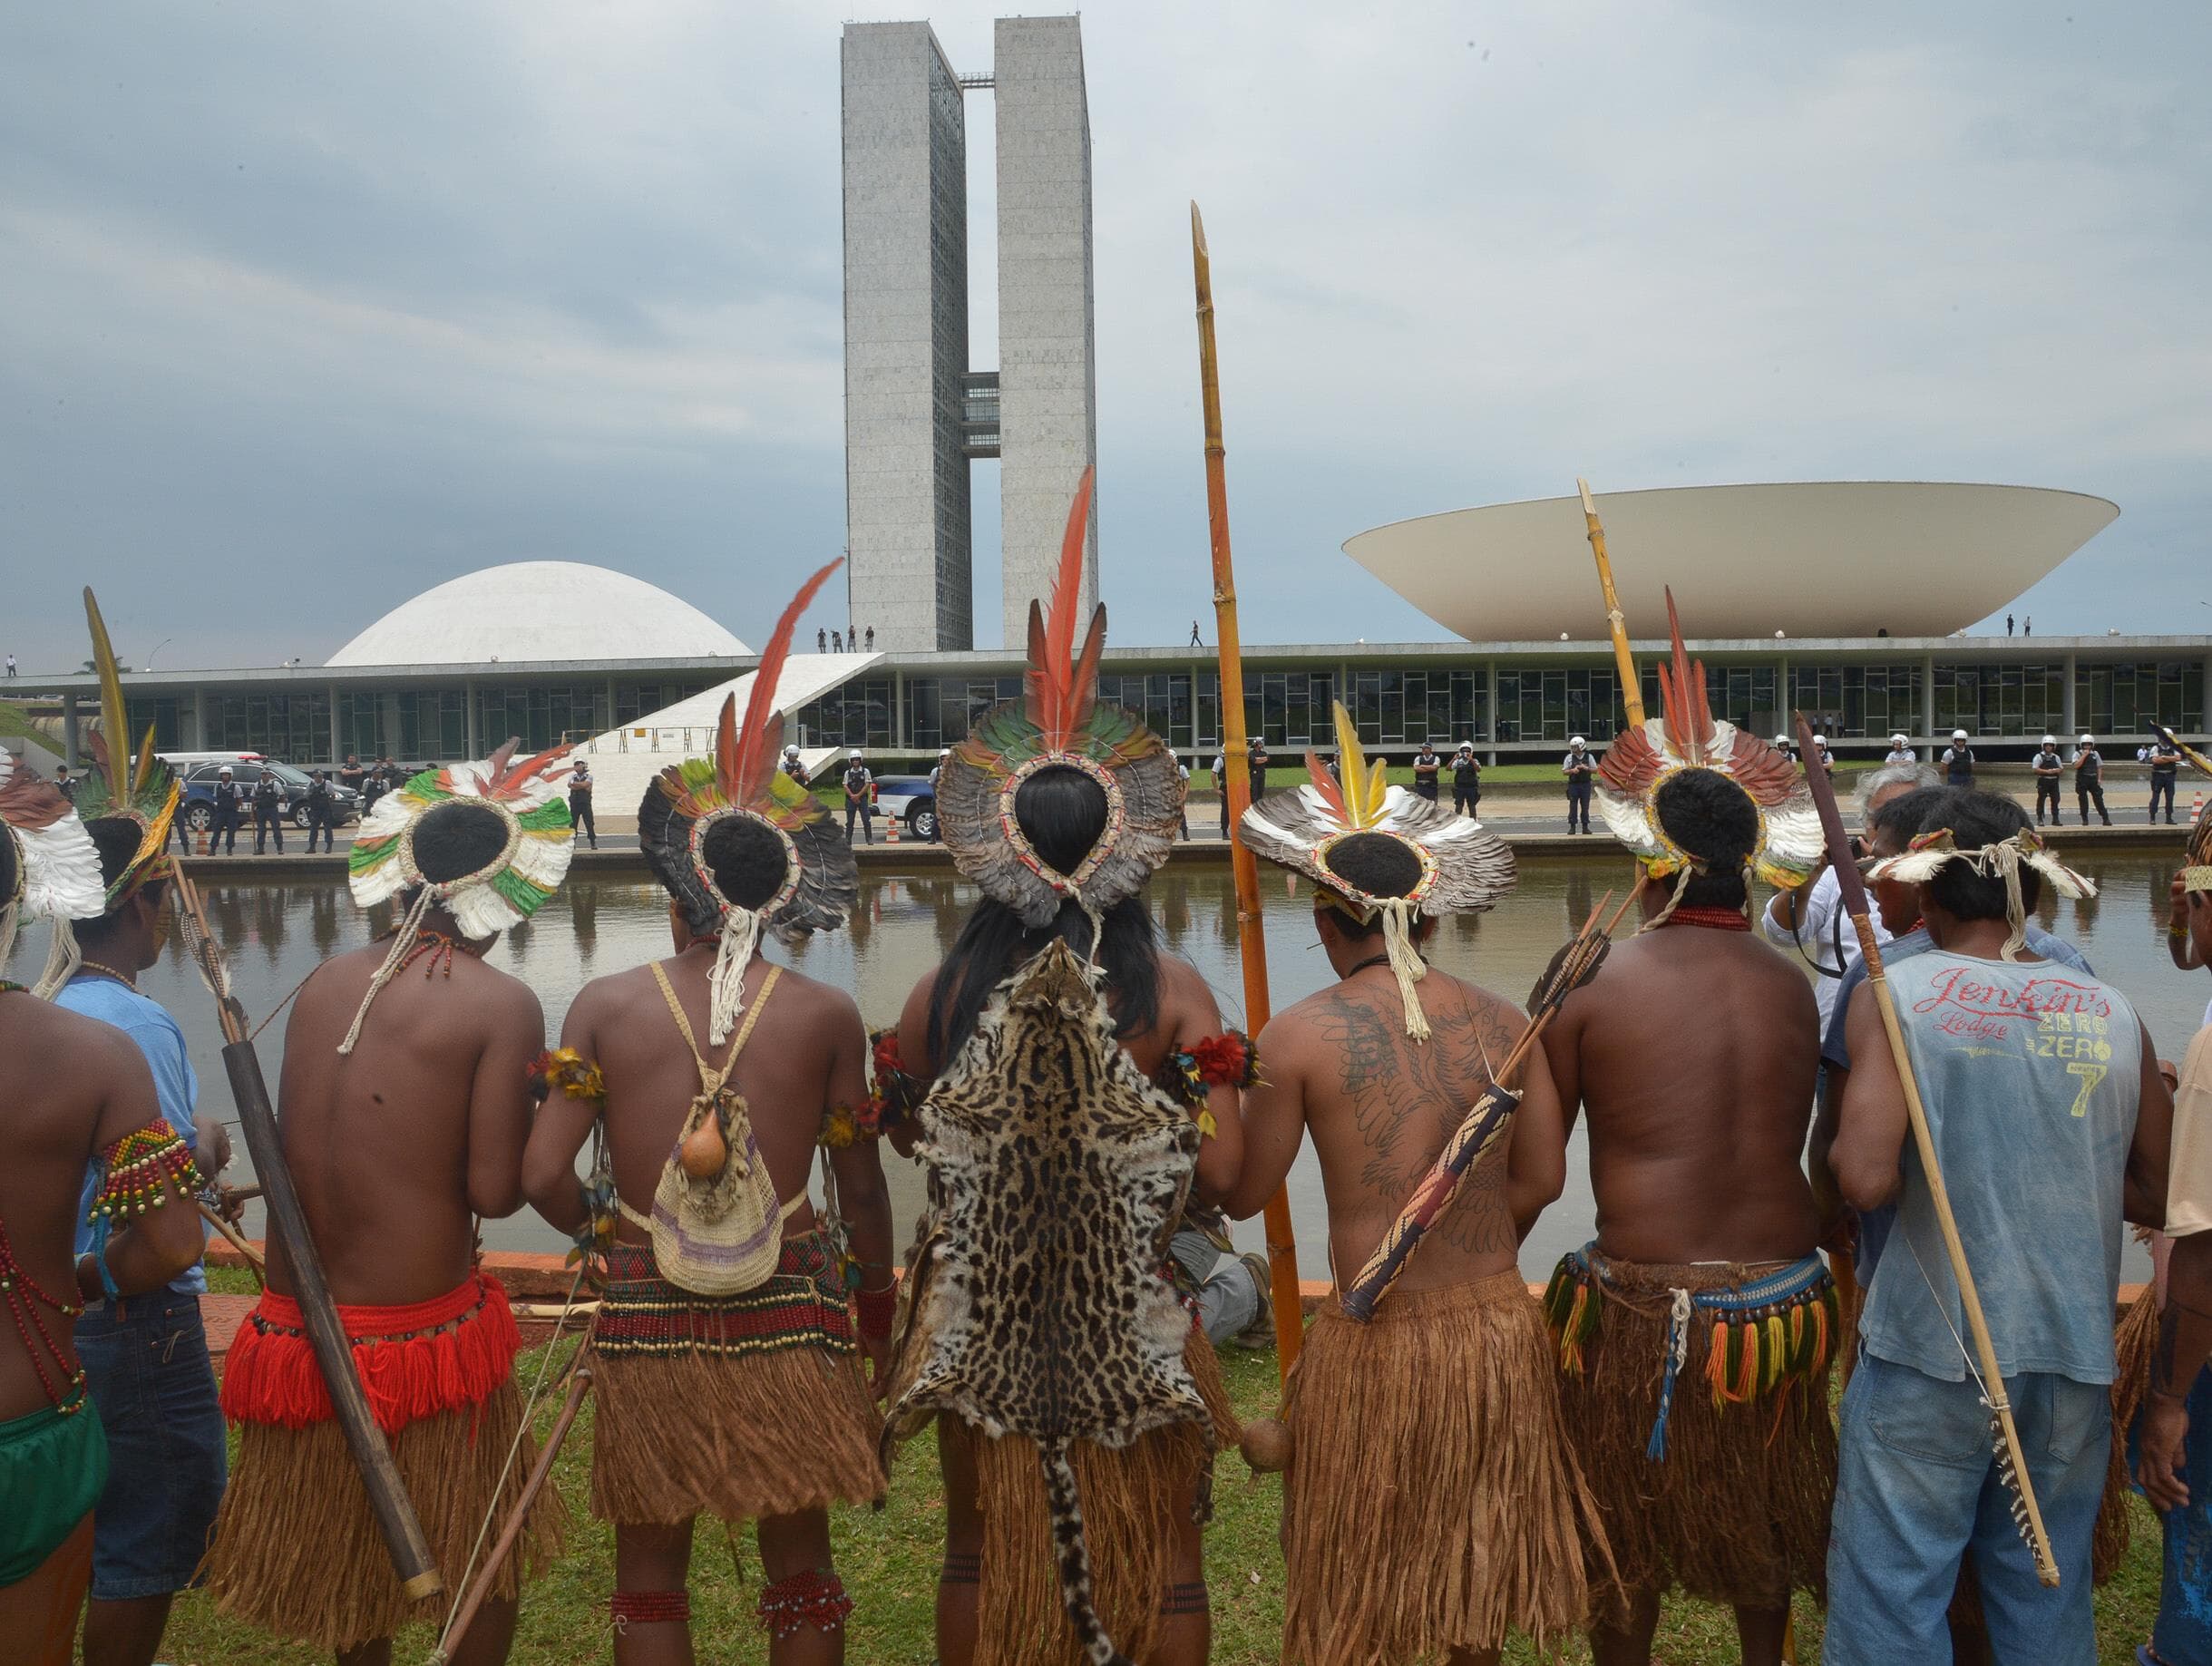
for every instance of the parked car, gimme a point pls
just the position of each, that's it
(912, 799)
(199, 807)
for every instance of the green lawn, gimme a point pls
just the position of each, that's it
(889, 1560)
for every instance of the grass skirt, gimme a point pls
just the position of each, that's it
(1736, 1511)
(1130, 1499)
(297, 1551)
(1431, 1501)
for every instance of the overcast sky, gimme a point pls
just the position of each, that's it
(304, 309)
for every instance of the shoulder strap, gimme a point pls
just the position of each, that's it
(711, 1080)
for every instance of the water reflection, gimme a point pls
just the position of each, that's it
(276, 932)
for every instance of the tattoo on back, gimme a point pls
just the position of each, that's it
(1405, 1097)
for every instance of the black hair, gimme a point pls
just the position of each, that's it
(1975, 819)
(456, 839)
(11, 872)
(1378, 864)
(1062, 813)
(747, 860)
(1903, 817)
(1714, 819)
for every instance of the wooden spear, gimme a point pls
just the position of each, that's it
(2012, 1463)
(1632, 689)
(1252, 936)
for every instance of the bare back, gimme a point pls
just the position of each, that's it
(395, 1146)
(805, 1056)
(91, 1087)
(1694, 1051)
(1379, 1106)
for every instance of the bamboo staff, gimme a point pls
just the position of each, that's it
(237, 1241)
(1632, 689)
(1252, 937)
(2011, 1463)
(288, 1223)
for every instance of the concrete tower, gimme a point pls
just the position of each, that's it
(916, 413)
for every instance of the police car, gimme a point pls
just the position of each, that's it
(911, 799)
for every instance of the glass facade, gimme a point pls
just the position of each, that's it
(161, 712)
(292, 725)
(2118, 700)
(1561, 702)
(1858, 702)
(859, 713)
(433, 727)
(542, 714)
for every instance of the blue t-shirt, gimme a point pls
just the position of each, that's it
(2032, 1077)
(1874, 1224)
(175, 1085)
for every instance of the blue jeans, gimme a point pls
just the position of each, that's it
(2183, 1633)
(1916, 1487)
(1228, 1299)
(153, 1385)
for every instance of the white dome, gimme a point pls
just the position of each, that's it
(539, 610)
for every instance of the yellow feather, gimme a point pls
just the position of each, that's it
(114, 721)
(144, 772)
(1352, 771)
(1379, 785)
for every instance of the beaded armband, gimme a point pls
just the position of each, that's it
(567, 1072)
(878, 1310)
(894, 1092)
(141, 1169)
(1230, 1060)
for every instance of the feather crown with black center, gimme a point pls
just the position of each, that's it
(144, 791)
(1463, 868)
(1689, 736)
(744, 777)
(1058, 722)
(524, 839)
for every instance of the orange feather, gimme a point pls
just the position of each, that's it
(745, 758)
(1326, 785)
(1056, 702)
(1690, 715)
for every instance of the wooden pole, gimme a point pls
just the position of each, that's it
(287, 1225)
(1252, 937)
(1854, 890)
(1631, 689)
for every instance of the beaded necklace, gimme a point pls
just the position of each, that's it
(1712, 919)
(24, 1296)
(105, 970)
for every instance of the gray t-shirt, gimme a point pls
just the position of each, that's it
(2030, 1073)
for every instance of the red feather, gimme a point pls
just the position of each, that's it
(505, 783)
(1689, 716)
(1326, 785)
(1057, 704)
(745, 758)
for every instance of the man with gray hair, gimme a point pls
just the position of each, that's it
(1812, 918)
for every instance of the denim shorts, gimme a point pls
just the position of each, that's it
(145, 1358)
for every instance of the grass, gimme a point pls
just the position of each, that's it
(889, 1560)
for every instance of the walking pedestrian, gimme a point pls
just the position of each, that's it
(1580, 768)
(860, 798)
(1194, 643)
(1958, 762)
(2165, 762)
(226, 808)
(1467, 780)
(2047, 764)
(268, 808)
(579, 803)
(2089, 780)
(321, 811)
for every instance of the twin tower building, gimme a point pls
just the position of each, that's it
(917, 410)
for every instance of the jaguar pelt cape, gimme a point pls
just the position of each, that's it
(1037, 1305)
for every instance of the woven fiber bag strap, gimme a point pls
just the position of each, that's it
(710, 1078)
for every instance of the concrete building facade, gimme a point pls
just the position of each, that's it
(917, 414)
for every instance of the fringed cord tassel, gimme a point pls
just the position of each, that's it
(1682, 884)
(63, 958)
(1407, 962)
(726, 984)
(402, 940)
(8, 917)
(1677, 1350)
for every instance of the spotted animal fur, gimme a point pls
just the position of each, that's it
(1055, 1175)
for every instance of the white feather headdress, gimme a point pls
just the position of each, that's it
(55, 870)
(1932, 853)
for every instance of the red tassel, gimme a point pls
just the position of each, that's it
(271, 1376)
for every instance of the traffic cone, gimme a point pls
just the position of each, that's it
(891, 828)
(2197, 805)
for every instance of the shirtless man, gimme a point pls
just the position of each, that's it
(1395, 1493)
(1694, 1051)
(750, 1406)
(398, 1145)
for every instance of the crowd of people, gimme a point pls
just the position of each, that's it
(1777, 1163)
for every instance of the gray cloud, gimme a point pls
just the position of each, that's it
(304, 311)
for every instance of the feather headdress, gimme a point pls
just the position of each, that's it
(1465, 867)
(744, 779)
(1059, 723)
(51, 868)
(1689, 736)
(142, 791)
(522, 828)
(1933, 852)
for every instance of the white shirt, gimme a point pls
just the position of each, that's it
(1820, 911)
(1574, 760)
(1900, 755)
